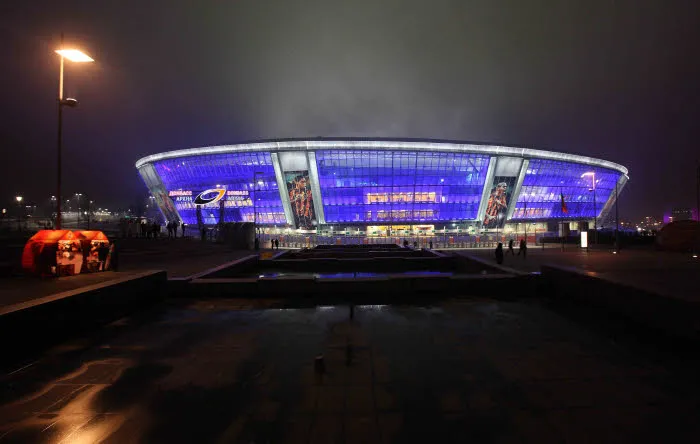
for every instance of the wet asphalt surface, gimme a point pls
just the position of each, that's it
(468, 370)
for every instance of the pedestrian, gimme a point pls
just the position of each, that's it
(257, 244)
(103, 252)
(510, 246)
(169, 227)
(183, 228)
(499, 253)
(155, 228)
(523, 248)
(415, 244)
(113, 258)
(277, 244)
(431, 245)
(176, 225)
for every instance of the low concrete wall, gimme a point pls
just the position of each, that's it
(375, 290)
(665, 314)
(46, 321)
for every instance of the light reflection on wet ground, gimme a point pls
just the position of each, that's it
(477, 370)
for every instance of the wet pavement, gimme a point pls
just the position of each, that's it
(674, 275)
(470, 370)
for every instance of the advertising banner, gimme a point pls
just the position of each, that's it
(299, 189)
(165, 203)
(499, 199)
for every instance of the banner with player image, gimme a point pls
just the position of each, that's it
(299, 190)
(499, 199)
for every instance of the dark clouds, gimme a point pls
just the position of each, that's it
(612, 79)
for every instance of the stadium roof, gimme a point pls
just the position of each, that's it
(312, 144)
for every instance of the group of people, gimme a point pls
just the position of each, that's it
(149, 229)
(274, 244)
(499, 250)
(173, 226)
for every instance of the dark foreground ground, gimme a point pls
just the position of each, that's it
(473, 370)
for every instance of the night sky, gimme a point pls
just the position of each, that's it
(604, 78)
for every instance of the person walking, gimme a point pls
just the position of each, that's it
(510, 246)
(431, 245)
(277, 244)
(103, 252)
(155, 228)
(499, 253)
(183, 228)
(523, 248)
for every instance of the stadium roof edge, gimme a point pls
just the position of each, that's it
(379, 144)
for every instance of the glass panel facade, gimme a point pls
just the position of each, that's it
(399, 186)
(186, 177)
(546, 180)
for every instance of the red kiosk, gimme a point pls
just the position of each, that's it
(65, 252)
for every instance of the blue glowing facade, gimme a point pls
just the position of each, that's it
(306, 183)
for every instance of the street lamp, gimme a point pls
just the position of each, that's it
(88, 213)
(595, 209)
(255, 200)
(77, 198)
(73, 55)
(19, 214)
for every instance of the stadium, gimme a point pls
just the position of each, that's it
(382, 187)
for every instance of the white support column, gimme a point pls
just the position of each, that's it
(609, 204)
(315, 187)
(282, 187)
(157, 188)
(487, 188)
(516, 192)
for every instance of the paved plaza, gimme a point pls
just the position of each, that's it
(669, 274)
(473, 370)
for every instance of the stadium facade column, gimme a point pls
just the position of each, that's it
(315, 188)
(610, 202)
(518, 186)
(487, 189)
(282, 187)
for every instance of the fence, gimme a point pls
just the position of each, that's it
(438, 242)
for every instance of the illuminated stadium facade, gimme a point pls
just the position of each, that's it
(357, 183)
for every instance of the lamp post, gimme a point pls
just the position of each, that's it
(617, 222)
(525, 216)
(73, 55)
(88, 213)
(595, 209)
(19, 213)
(77, 198)
(255, 200)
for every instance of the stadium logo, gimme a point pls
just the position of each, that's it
(210, 196)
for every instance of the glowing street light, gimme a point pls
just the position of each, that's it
(74, 55)
(595, 210)
(77, 56)
(19, 215)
